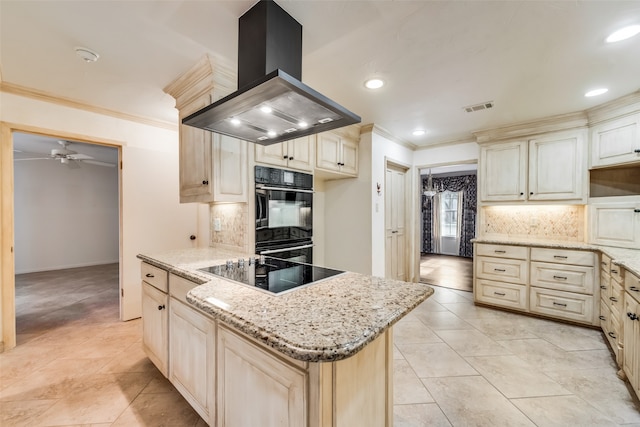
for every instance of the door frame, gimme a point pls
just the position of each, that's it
(7, 258)
(408, 212)
(418, 206)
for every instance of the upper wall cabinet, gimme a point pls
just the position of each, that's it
(294, 154)
(213, 168)
(548, 168)
(616, 142)
(336, 154)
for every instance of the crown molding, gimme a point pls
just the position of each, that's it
(550, 124)
(372, 127)
(466, 140)
(39, 95)
(619, 107)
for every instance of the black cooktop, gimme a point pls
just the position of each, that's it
(270, 274)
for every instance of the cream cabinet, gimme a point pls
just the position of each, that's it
(230, 169)
(155, 329)
(293, 154)
(631, 327)
(249, 375)
(616, 142)
(547, 168)
(501, 274)
(336, 153)
(615, 221)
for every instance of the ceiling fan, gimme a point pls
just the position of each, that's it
(67, 157)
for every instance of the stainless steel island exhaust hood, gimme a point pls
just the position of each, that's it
(272, 104)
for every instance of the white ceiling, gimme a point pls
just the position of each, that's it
(532, 58)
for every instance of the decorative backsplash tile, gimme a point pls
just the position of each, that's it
(565, 223)
(233, 226)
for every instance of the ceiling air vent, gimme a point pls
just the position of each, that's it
(478, 107)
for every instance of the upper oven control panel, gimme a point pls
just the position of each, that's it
(283, 178)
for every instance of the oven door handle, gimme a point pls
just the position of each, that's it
(297, 190)
(274, 251)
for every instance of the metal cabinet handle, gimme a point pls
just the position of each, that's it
(395, 231)
(632, 316)
(603, 287)
(291, 158)
(613, 299)
(149, 275)
(634, 289)
(603, 263)
(161, 307)
(560, 257)
(559, 277)
(285, 157)
(559, 304)
(614, 271)
(531, 193)
(612, 335)
(205, 182)
(636, 210)
(499, 270)
(637, 151)
(501, 294)
(192, 237)
(500, 252)
(604, 318)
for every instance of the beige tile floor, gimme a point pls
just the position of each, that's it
(455, 365)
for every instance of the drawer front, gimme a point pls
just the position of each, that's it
(614, 336)
(154, 276)
(502, 251)
(605, 317)
(632, 285)
(502, 269)
(562, 305)
(605, 286)
(616, 300)
(502, 294)
(563, 256)
(616, 273)
(571, 278)
(605, 263)
(178, 287)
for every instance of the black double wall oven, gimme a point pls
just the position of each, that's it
(284, 216)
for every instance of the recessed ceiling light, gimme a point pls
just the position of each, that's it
(266, 109)
(303, 124)
(87, 54)
(596, 92)
(272, 133)
(235, 122)
(624, 33)
(374, 83)
(418, 132)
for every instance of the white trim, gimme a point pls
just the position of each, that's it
(66, 267)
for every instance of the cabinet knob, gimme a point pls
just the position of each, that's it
(531, 193)
(161, 307)
(637, 151)
(291, 158)
(636, 210)
(192, 237)
(285, 157)
(205, 182)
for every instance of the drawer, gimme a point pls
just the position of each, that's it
(502, 269)
(632, 285)
(502, 294)
(571, 278)
(605, 316)
(154, 276)
(614, 336)
(178, 287)
(605, 286)
(617, 300)
(605, 263)
(563, 305)
(564, 256)
(502, 251)
(616, 273)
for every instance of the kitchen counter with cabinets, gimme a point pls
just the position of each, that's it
(317, 355)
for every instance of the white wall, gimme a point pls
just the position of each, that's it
(152, 218)
(64, 217)
(458, 153)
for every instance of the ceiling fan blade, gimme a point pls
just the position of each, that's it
(95, 162)
(32, 158)
(79, 156)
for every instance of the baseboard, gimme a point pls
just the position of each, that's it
(65, 267)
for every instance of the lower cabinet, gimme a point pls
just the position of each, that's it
(192, 357)
(631, 364)
(155, 331)
(563, 305)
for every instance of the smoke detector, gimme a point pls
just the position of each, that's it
(478, 107)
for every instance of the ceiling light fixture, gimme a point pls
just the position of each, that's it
(87, 54)
(303, 124)
(419, 132)
(624, 33)
(596, 92)
(235, 122)
(374, 83)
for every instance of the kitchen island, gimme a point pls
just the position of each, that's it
(319, 355)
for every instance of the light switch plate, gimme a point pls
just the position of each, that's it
(217, 226)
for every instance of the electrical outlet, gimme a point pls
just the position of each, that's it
(217, 226)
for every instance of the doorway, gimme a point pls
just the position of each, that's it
(65, 229)
(396, 221)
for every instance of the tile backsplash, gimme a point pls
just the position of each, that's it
(233, 226)
(563, 223)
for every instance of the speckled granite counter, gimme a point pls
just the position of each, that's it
(327, 321)
(628, 258)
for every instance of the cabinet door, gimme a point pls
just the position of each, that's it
(275, 391)
(155, 337)
(274, 154)
(196, 183)
(615, 224)
(230, 165)
(556, 168)
(300, 154)
(503, 171)
(349, 155)
(192, 357)
(328, 151)
(631, 331)
(616, 141)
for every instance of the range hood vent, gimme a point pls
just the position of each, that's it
(272, 104)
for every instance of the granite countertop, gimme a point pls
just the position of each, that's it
(628, 258)
(327, 321)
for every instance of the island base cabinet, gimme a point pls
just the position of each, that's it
(192, 357)
(155, 332)
(631, 355)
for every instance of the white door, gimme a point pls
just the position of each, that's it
(395, 223)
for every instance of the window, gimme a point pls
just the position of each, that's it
(449, 214)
